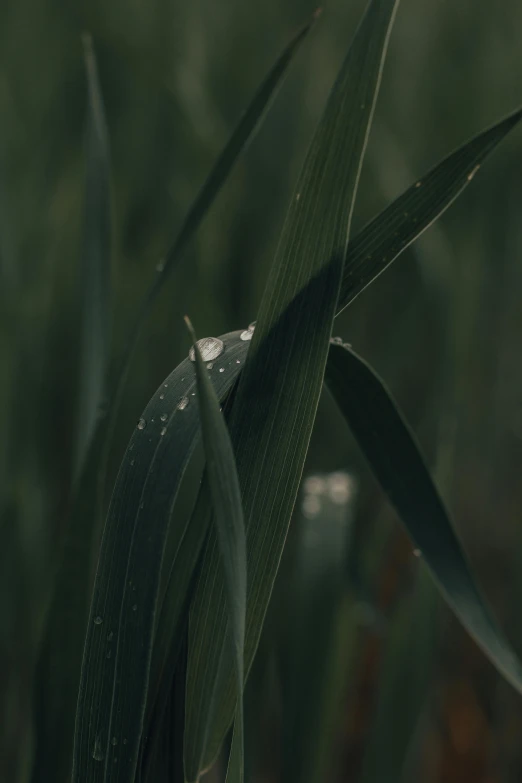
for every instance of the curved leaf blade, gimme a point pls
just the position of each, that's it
(394, 457)
(230, 526)
(118, 648)
(277, 397)
(393, 230)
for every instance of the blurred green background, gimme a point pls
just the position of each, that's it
(443, 327)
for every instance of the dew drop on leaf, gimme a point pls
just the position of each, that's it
(163, 431)
(98, 620)
(163, 417)
(141, 424)
(209, 347)
(182, 404)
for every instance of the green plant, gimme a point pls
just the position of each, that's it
(158, 682)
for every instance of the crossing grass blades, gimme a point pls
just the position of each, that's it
(180, 599)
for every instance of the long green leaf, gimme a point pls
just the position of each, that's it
(397, 464)
(276, 402)
(393, 230)
(60, 653)
(96, 268)
(230, 528)
(117, 657)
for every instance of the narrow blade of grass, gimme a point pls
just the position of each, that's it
(96, 267)
(230, 528)
(386, 236)
(396, 462)
(60, 653)
(277, 397)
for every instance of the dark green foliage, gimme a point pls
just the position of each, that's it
(160, 680)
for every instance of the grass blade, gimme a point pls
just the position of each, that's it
(396, 462)
(118, 649)
(60, 654)
(230, 526)
(276, 401)
(386, 236)
(96, 269)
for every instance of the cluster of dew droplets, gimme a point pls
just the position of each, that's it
(209, 347)
(247, 334)
(339, 341)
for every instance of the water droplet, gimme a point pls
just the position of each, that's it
(165, 386)
(246, 335)
(238, 361)
(298, 196)
(110, 636)
(337, 340)
(210, 365)
(182, 404)
(163, 431)
(252, 326)
(142, 424)
(132, 462)
(221, 369)
(97, 752)
(114, 741)
(162, 396)
(160, 266)
(418, 184)
(98, 620)
(135, 606)
(472, 173)
(209, 348)
(164, 417)
(193, 394)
